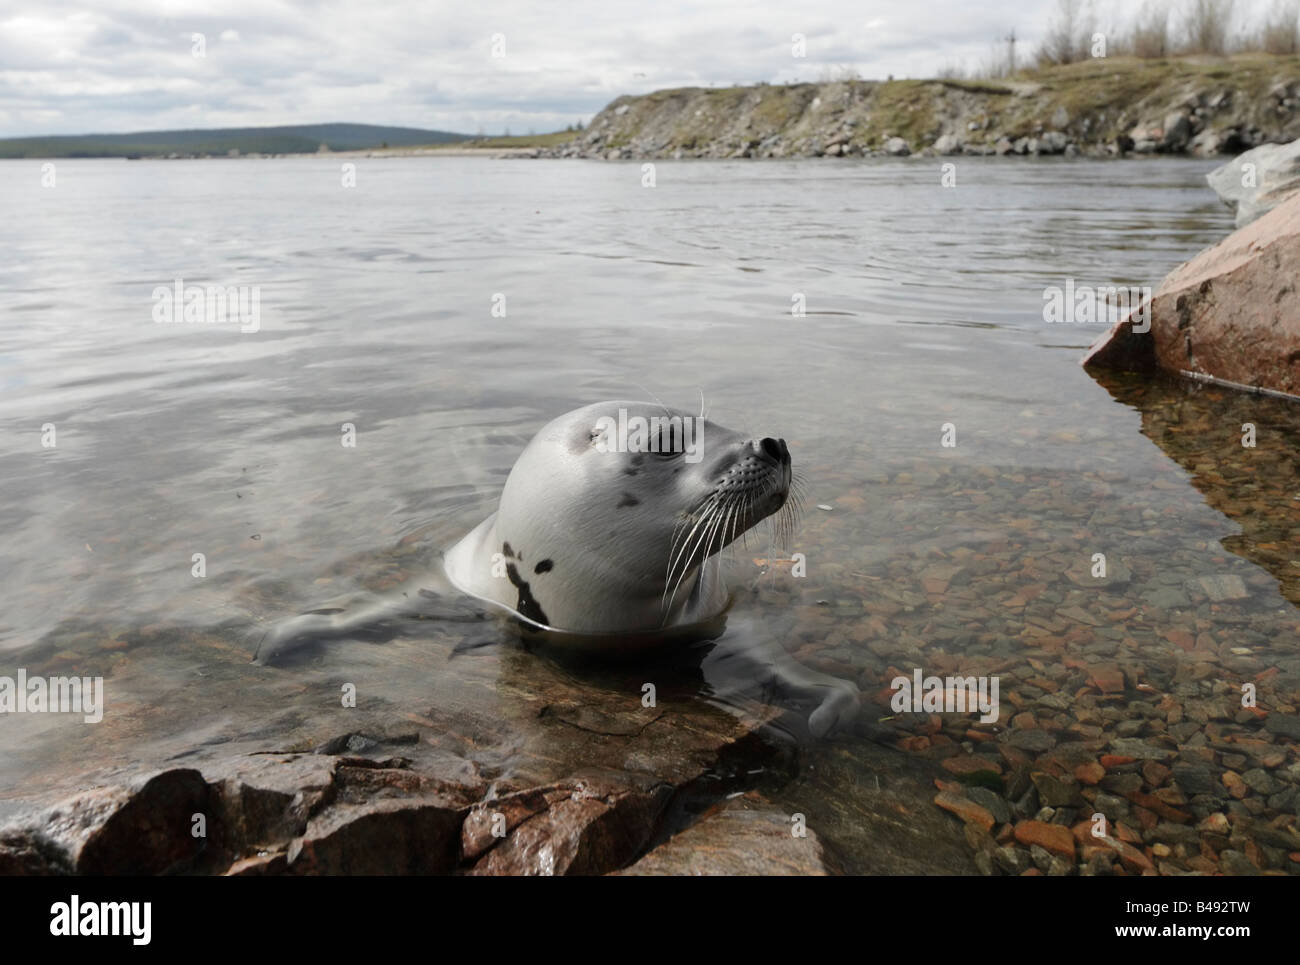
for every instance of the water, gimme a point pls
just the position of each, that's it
(924, 307)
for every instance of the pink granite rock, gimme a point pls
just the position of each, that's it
(1232, 313)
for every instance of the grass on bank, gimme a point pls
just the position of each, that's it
(518, 140)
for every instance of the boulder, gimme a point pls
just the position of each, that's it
(1231, 314)
(947, 144)
(1259, 180)
(744, 836)
(897, 147)
(1053, 142)
(1206, 144)
(1177, 133)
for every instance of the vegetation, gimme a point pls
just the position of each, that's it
(523, 140)
(1152, 30)
(1162, 28)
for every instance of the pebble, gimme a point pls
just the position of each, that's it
(965, 809)
(1050, 837)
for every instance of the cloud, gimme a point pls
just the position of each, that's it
(69, 67)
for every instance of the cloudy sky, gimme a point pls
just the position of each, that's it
(129, 65)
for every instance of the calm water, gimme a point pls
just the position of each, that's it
(923, 308)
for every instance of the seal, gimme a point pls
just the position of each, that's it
(606, 540)
(611, 520)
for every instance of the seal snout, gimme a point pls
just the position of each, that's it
(773, 452)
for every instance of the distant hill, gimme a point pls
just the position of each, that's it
(297, 139)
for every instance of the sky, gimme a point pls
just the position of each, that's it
(457, 65)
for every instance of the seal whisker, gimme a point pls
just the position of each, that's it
(696, 519)
(702, 547)
(704, 518)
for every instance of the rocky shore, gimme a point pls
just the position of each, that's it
(1102, 108)
(522, 767)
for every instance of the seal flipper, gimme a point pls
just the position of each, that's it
(368, 615)
(746, 660)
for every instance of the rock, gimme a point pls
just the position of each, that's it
(947, 144)
(1089, 773)
(965, 809)
(1133, 859)
(1177, 132)
(1139, 749)
(1060, 868)
(1207, 144)
(992, 802)
(1236, 863)
(380, 837)
(1021, 145)
(1194, 778)
(1216, 823)
(971, 767)
(139, 829)
(897, 147)
(1227, 586)
(1040, 856)
(1168, 598)
(1031, 740)
(1100, 864)
(1054, 838)
(1231, 313)
(1060, 118)
(1054, 792)
(1111, 806)
(1259, 781)
(1012, 860)
(1053, 142)
(1259, 180)
(1107, 678)
(1287, 725)
(745, 836)
(1235, 785)
(1003, 146)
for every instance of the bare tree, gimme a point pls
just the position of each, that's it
(1207, 27)
(1281, 31)
(1150, 37)
(1060, 45)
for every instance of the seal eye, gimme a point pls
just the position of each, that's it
(663, 447)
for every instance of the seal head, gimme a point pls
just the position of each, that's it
(613, 515)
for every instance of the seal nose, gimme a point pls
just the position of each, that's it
(775, 451)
